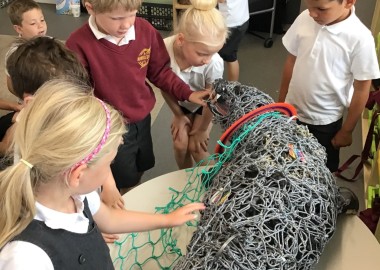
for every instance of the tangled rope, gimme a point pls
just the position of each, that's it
(271, 201)
(273, 204)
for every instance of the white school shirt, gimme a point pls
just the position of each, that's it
(130, 35)
(329, 58)
(195, 77)
(20, 255)
(235, 12)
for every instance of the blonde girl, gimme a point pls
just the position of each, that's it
(199, 35)
(50, 210)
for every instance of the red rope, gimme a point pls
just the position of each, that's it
(283, 108)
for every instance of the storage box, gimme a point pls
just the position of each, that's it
(62, 7)
(159, 15)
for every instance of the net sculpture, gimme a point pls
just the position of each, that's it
(271, 201)
(273, 204)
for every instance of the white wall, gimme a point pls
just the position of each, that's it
(46, 1)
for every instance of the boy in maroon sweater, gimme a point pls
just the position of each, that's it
(120, 52)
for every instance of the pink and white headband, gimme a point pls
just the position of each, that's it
(102, 141)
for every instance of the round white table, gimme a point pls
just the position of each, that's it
(352, 247)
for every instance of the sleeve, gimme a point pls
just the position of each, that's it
(215, 69)
(93, 200)
(159, 72)
(364, 62)
(290, 40)
(20, 255)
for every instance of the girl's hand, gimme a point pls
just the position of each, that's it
(110, 238)
(113, 200)
(110, 195)
(184, 214)
(200, 97)
(119, 203)
(198, 141)
(17, 107)
(179, 123)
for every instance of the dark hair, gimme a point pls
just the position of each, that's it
(18, 7)
(39, 60)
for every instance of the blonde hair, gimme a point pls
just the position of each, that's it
(102, 6)
(203, 23)
(62, 125)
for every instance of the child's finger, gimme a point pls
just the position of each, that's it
(119, 204)
(194, 207)
(204, 146)
(110, 238)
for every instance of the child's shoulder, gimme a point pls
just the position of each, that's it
(304, 15)
(354, 31)
(358, 27)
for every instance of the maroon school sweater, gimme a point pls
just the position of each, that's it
(118, 73)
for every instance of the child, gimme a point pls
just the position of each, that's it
(50, 210)
(27, 18)
(200, 34)
(34, 62)
(28, 21)
(120, 52)
(236, 14)
(331, 62)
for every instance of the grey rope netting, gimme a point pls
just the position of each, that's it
(271, 201)
(274, 204)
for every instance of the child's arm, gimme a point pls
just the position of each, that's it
(359, 99)
(200, 135)
(110, 195)
(7, 140)
(111, 220)
(10, 106)
(199, 97)
(180, 120)
(286, 76)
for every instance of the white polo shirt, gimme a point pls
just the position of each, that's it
(196, 77)
(24, 255)
(235, 12)
(329, 58)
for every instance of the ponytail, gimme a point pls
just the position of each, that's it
(17, 203)
(62, 126)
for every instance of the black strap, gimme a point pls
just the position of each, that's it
(364, 155)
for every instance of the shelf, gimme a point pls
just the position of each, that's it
(177, 8)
